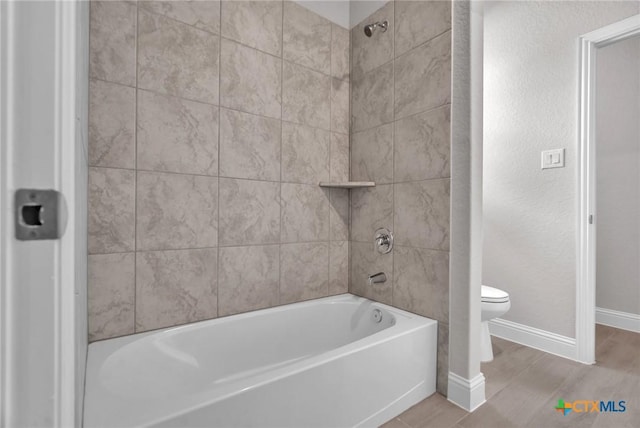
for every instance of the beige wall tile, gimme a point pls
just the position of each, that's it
(112, 42)
(442, 362)
(340, 106)
(177, 135)
(372, 155)
(419, 21)
(371, 209)
(249, 212)
(254, 23)
(249, 146)
(111, 295)
(175, 287)
(339, 214)
(306, 38)
(250, 80)
(422, 214)
(177, 59)
(112, 125)
(305, 213)
(422, 146)
(338, 267)
(305, 271)
(372, 99)
(176, 211)
(111, 210)
(371, 52)
(305, 154)
(204, 15)
(340, 52)
(414, 148)
(306, 96)
(249, 278)
(186, 59)
(365, 261)
(423, 77)
(421, 282)
(339, 157)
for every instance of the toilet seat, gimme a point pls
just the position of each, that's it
(493, 295)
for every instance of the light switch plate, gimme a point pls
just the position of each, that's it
(553, 158)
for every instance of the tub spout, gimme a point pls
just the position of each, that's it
(377, 278)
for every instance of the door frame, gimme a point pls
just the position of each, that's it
(586, 211)
(63, 383)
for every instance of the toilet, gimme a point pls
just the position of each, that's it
(495, 303)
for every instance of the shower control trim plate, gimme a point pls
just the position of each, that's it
(383, 240)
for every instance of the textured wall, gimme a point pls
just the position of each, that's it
(531, 104)
(211, 125)
(618, 176)
(400, 138)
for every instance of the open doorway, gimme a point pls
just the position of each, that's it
(617, 216)
(609, 229)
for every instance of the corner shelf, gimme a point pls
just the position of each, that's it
(347, 184)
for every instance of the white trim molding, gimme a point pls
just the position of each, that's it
(466, 393)
(617, 319)
(71, 88)
(586, 213)
(534, 338)
(6, 121)
(42, 375)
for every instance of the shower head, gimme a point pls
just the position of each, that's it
(369, 29)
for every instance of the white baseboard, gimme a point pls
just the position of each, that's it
(617, 319)
(534, 338)
(466, 393)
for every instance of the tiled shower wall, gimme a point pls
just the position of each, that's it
(211, 124)
(400, 138)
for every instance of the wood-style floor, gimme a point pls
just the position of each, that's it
(523, 386)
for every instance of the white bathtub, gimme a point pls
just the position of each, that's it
(321, 363)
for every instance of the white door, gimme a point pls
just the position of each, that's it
(43, 128)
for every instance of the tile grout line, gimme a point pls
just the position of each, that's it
(217, 288)
(412, 115)
(221, 36)
(219, 105)
(88, 188)
(361, 73)
(135, 192)
(393, 144)
(279, 295)
(413, 247)
(404, 424)
(189, 174)
(524, 369)
(580, 368)
(238, 245)
(463, 417)
(449, 29)
(330, 144)
(349, 139)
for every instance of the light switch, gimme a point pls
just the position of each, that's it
(553, 158)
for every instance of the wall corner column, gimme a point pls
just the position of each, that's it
(466, 382)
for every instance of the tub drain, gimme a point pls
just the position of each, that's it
(377, 315)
